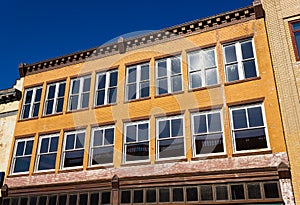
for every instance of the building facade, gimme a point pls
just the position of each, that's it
(283, 27)
(188, 114)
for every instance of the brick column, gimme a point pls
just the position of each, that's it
(115, 190)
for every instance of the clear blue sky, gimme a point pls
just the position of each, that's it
(36, 30)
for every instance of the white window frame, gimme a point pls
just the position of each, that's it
(157, 136)
(40, 154)
(137, 82)
(169, 74)
(239, 57)
(194, 135)
(32, 103)
(126, 143)
(80, 92)
(103, 128)
(74, 149)
(202, 69)
(14, 157)
(232, 130)
(106, 88)
(55, 99)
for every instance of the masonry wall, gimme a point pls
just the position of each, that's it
(287, 72)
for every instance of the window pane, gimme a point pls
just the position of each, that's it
(194, 61)
(271, 190)
(42, 200)
(162, 86)
(80, 140)
(211, 76)
(222, 192)
(26, 111)
(239, 119)
(131, 91)
(177, 129)
(60, 104)
(131, 133)
(98, 136)
(53, 144)
(105, 198)
(237, 192)
(171, 148)
(28, 149)
(137, 151)
(164, 195)
(38, 95)
(192, 194)
(254, 191)
(145, 72)
(74, 102)
(255, 117)
(175, 66)
(164, 129)
(73, 199)
(206, 193)
(109, 136)
(250, 139)
(85, 100)
(232, 73)
(103, 155)
(206, 144)
(297, 39)
(131, 75)
(61, 90)
(249, 69)
(151, 196)
(44, 145)
(20, 148)
(83, 198)
(62, 200)
(94, 200)
(143, 132)
(75, 86)
(49, 106)
(176, 83)
(70, 141)
(101, 81)
(36, 108)
(33, 200)
(162, 68)
(52, 200)
(200, 124)
(247, 50)
(14, 201)
(138, 196)
(28, 97)
(100, 97)
(113, 79)
(196, 80)
(47, 162)
(112, 95)
(177, 194)
(144, 89)
(296, 26)
(86, 84)
(214, 122)
(51, 91)
(23, 201)
(209, 59)
(125, 197)
(230, 54)
(74, 158)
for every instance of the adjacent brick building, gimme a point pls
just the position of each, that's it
(283, 27)
(188, 114)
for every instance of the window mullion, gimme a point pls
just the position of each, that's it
(169, 75)
(106, 88)
(202, 69)
(32, 102)
(239, 60)
(138, 81)
(57, 85)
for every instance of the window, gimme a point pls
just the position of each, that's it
(47, 150)
(136, 142)
(239, 60)
(207, 133)
(73, 149)
(170, 140)
(79, 93)
(102, 145)
(106, 88)
(168, 75)
(22, 155)
(54, 98)
(137, 82)
(31, 102)
(202, 68)
(248, 128)
(295, 30)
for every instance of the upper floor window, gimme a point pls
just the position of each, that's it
(248, 127)
(168, 75)
(54, 98)
(73, 149)
(240, 60)
(202, 68)
(22, 155)
(102, 145)
(170, 137)
(137, 81)
(295, 29)
(79, 93)
(106, 87)
(47, 151)
(31, 102)
(136, 141)
(207, 133)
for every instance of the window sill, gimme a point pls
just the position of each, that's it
(168, 94)
(162, 161)
(137, 100)
(27, 119)
(43, 172)
(66, 170)
(18, 175)
(95, 167)
(212, 156)
(205, 88)
(79, 110)
(242, 81)
(138, 163)
(52, 115)
(103, 106)
(255, 152)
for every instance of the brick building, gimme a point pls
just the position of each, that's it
(283, 27)
(187, 114)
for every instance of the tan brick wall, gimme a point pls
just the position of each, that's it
(287, 74)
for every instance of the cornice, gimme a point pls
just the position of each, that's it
(124, 45)
(9, 95)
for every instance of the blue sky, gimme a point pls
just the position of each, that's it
(36, 30)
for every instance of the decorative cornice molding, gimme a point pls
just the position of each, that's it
(10, 95)
(124, 45)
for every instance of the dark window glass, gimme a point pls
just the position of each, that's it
(191, 194)
(101, 81)
(42, 200)
(175, 66)
(176, 127)
(247, 50)
(74, 158)
(105, 198)
(61, 91)
(162, 68)
(214, 122)
(70, 141)
(232, 72)
(145, 72)
(33, 200)
(94, 199)
(171, 148)
(222, 192)
(86, 84)
(138, 196)
(103, 155)
(22, 164)
(237, 192)
(206, 193)
(151, 196)
(44, 145)
(271, 190)
(7, 200)
(255, 117)
(83, 198)
(250, 139)
(249, 69)
(36, 108)
(14, 201)
(73, 199)
(20, 148)
(62, 200)
(109, 136)
(24, 201)
(239, 119)
(163, 86)
(230, 54)
(132, 75)
(164, 195)
(164, 129)
(137, 151)
(177, 194)
(28, 149)
(53, 144)
(254, 191)
(196, 80)
(80, 140)
(176, 83)
(113, 79)
(144, 89)
(125, 197)
(52, 200)
(47, 162)
(75, 86)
